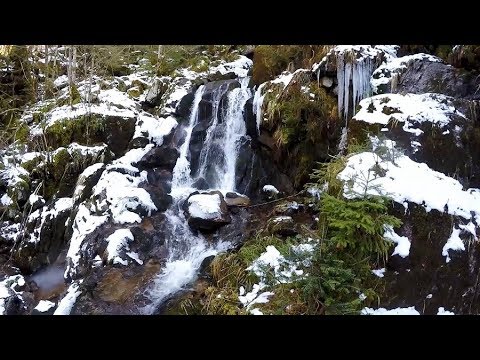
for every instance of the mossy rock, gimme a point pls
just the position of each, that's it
(134, 92)
(114, 131)
(465, 56)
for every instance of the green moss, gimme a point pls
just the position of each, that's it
(134, 92)
(271, 60)
(301, 118)
(84, 130)
(32, 164)
(23, 132)
(59, 163)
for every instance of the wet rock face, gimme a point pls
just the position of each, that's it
(411, 280)
(256, 168)
(163, 157)
(44, 238)
(424, 76)
(115, 290)
(118, 133)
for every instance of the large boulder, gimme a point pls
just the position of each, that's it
(431, 128)
(155, 93)
(163, 157)
(207, 211)
(44, 236)
(422, 76)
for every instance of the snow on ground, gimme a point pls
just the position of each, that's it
(271, 189)
(68, 112)
(114, 97)
(75, 148)
(44, 305)
(409, 181)
(65, 305)
(398, 311)
(205, 206)
(155, 129)
(284, 269)
(116, 242)
(410, 109)
(61, 81)
(442, 311)
(240, 67)
(403, 243)
(395, 66)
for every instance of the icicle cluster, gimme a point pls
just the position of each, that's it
(257, 105)
(357, 71)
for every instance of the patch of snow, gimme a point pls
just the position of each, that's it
(6, 200)
(255, 312)
(116, 242)
(271, 189)
(379, 272)
(453, 243)
(398, 311)
(408, 108)
(85, 222)
(10, 231)
(442, 311)
(116, 98)
(407, 180)
(154, 129)
(133, 255)
(403, 243)
(394, 66)
(205, 206)
(61, 81)
(44, 305)
(7, 289)
(59, 206)
(282, 218)
(65, 305)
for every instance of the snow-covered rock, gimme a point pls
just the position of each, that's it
(207, 211)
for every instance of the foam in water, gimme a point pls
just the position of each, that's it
(187, 250)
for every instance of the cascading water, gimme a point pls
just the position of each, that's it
(181, 171)
(187, 250)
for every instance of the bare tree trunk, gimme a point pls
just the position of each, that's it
(74, 63)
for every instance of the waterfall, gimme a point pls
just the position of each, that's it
(186, 249)
(181, 172)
